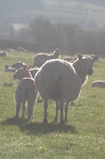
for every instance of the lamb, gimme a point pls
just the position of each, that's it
(41, 58)
(61, 81)
(25, 72)
(4, 54)
(25, 91)
(98, 83)
(8, 69)
(19, 64)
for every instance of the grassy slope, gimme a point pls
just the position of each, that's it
(83, 136)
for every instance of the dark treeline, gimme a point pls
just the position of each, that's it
(42, 32)
(42, 35)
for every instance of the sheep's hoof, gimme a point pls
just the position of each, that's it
(66, 121)
(61, 122)
(16, 117)
(55, 120)
(45, 121)
(22, 117)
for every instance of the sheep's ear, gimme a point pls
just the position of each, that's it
(29, 67)
(95, 58)
(80, 57)
(24, 67)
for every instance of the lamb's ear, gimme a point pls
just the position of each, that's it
(29, 67)
(80, 57)
(24, 67)
(95, 58)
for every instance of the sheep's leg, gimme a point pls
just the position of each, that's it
(57, 109)
(66, 111)
(18, 105)
(30, 110)
(45, 111)
(61, 112)
(23, 108)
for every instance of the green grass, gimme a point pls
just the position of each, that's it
(83, 137)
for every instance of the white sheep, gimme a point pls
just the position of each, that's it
(17, 65)
(25, 72)
(41, 58)
(25, 91)
(98, 83)
(3, 54)
(8, 69)
(61, 81)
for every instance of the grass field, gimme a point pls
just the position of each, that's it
(83, 137)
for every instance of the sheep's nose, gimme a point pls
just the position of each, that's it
(90, 72)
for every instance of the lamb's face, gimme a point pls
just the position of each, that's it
(21, 73)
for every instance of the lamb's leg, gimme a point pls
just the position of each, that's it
(18, 105)
(23, 108)
(45, 111)
(57, 109)
(66, 111)
(30, 109)
(61, 112)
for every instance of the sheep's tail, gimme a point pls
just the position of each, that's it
(56, 77)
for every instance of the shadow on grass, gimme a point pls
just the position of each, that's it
(38, 128)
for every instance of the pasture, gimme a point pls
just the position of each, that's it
(83, 137)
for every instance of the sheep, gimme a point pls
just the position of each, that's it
(61, 81)
(8, 69)
(25, 72)
(41, 58)
(17, 65)
(25, 91)
(4, 54)
(98, 83)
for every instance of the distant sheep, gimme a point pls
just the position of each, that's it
(25, 91)
(19, 64)
(8, 69)
(61, 81)
(25, 72)
(3, 54)
(41, 58)
(98, 83)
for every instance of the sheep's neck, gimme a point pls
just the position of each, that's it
(29, 75)
(80, 73)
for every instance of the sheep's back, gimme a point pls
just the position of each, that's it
(56, 79)
(41, 58)
(98, 83)
(26, 87)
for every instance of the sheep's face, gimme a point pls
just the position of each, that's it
(87, 64)
(21, 73)
(57, 53)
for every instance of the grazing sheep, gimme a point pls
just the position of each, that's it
(98, 83)
(61, 81)
(8, 69)
(19, 64)
(25, 72)
(41, 58)
(3, 53)
(25, 91)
